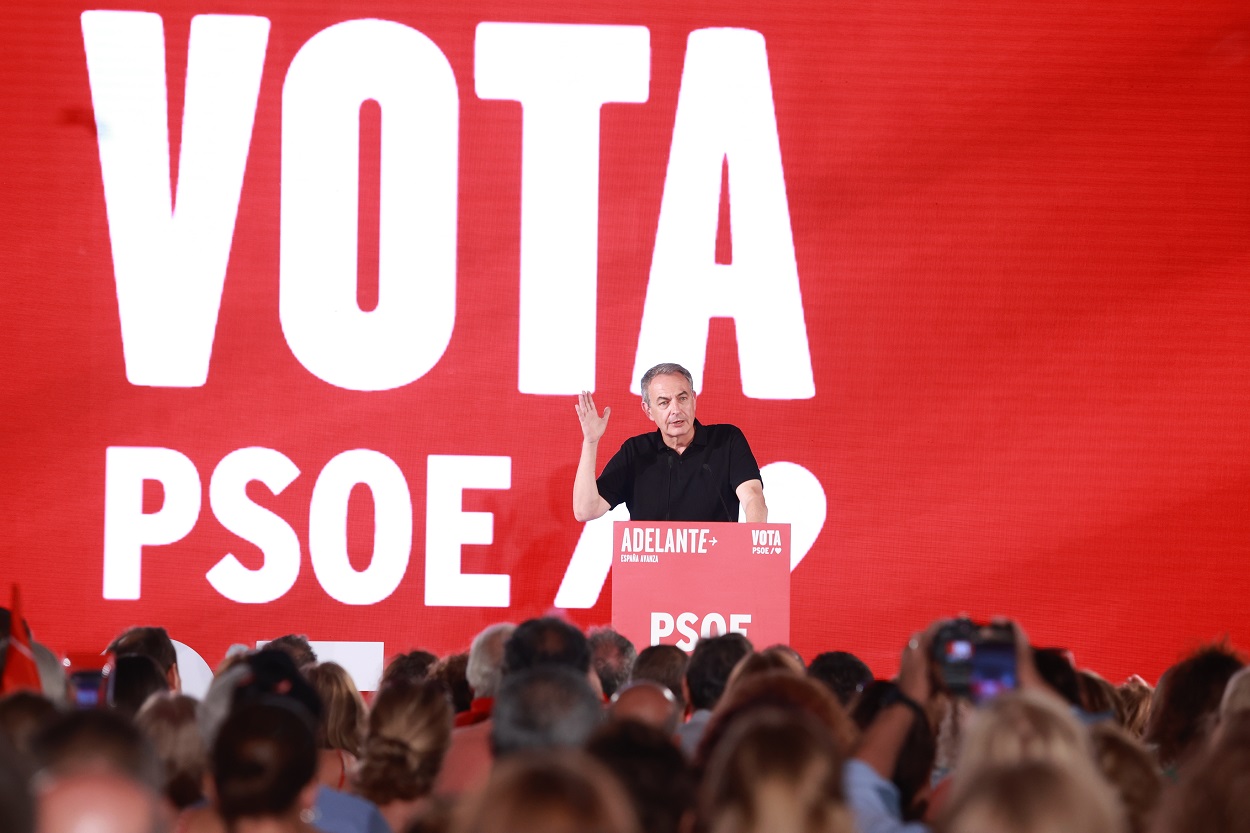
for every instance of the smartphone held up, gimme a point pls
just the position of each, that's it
(976, 661)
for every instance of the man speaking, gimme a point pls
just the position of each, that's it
(684, 471)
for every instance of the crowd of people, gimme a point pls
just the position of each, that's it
(541, 728)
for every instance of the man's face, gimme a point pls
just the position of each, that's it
(672, 407)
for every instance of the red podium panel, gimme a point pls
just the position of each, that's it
(675, 582)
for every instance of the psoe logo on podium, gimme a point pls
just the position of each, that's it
(673, 583)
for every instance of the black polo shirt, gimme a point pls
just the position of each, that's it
(658, 484)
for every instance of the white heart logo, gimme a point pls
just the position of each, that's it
(796, 497)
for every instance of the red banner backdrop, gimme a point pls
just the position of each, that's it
(297, 299)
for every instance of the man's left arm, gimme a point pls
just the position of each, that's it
(745, 472)
(751, 496)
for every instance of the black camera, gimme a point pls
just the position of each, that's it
(976, 661)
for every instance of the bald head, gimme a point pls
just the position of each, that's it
(98, 802)
(646, 702)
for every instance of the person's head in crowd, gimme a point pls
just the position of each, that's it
(1236, 697)
(1020, 726)
(843, 673)
(99, 802)
(1034, 797)
(914, 766)
(134, 679)
(96, 740)
(1054, 666)
(341, 727)
(666, 665)
(294, 645)
(652, 769)
(167, 720)
(485, 668)
(543, 707)
(775, 770)
(451, 671)
(1213, 793)
(264, 762)
(711, 662)
(787, 650)
(258, 674)
(553, 791)
(275, 673)
(22, 715)
(760, 662)
(236, 654)
(612, 656)
(646, 702)
(412, 666)
(342, 723)
(546, 641)
(1135, 694)
(17, 805)
(1130, 770)
(218, 699)
(782, 690)
(1187, 700)
(408, 736)
(150, 642)
(1099, 697)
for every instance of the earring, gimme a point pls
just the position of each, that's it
(308, 815)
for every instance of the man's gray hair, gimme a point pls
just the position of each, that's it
(663, 369)
(485, 668)
(543, 707)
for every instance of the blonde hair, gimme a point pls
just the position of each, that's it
(763, 662)
(775, 770)
(1135, 695)
(167, 720)
(548, 791)
(781, 689)
(1016, 727)
(1099, 696)
(342, 708)
(1034, 797)
(1131, 772)
(409, 733)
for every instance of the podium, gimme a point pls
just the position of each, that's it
(674, 582)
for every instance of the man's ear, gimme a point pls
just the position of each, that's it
(646, 409)
(174, 678)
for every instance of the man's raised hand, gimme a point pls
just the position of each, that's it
(588, 504)
(593, 425)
